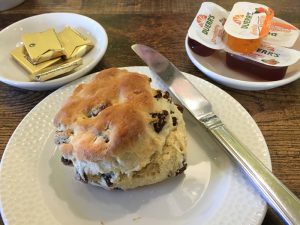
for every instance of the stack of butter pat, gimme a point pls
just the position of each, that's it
(47, 55)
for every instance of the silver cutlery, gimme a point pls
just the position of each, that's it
(279, 197)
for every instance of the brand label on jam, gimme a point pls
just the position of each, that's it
(271, 55)
(208, 25)
(248, 20)
(282, 33)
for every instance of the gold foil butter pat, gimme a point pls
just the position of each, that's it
(57, 69)
(42, 46)
(23, 59)
(74, 43)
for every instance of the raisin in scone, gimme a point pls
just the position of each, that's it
(119, 133)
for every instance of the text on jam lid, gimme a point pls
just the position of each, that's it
(271, 55)
(249, 20)
(282, 33)
(208, 26)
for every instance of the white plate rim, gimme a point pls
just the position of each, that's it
(235, 83)
(266, 155)
(51, 84)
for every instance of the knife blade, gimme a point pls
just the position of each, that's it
(279, 197)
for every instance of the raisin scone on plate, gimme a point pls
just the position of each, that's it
(119, 133)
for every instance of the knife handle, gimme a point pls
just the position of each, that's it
(279, 197)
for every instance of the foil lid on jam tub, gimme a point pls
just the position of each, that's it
(271, 55)
(246, 26)
(268, 62)
(74, 43)
(282, 33)
(207, 27)
(42, 46)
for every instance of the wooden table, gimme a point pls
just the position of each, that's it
(163, 24)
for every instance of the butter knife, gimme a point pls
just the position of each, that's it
(279, 197)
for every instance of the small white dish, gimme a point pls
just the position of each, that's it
(8, 4)
(13, 74)
(35, 188)
(215, 67)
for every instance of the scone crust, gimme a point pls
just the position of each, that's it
(119, 133)
(122, 98)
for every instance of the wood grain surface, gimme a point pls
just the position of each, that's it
(163, 24)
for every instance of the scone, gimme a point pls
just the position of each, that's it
(119, 133)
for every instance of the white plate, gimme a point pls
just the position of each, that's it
(36, 189)
(11, 73)
(214, 67)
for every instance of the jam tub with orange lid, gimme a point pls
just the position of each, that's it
(206, 31)
(246, 26)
